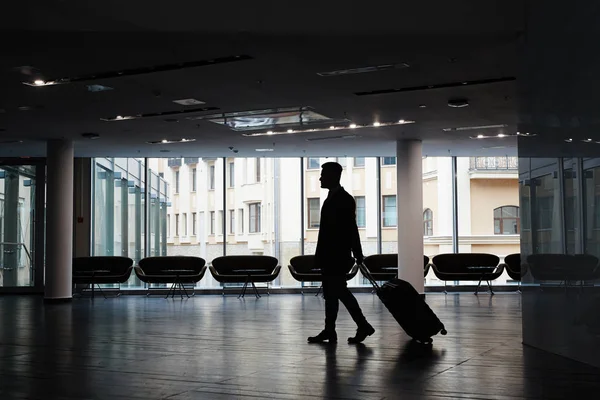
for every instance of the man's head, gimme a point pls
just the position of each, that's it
(331, 174)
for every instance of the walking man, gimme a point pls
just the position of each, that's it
(338, 238)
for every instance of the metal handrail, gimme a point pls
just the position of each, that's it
(20, 244)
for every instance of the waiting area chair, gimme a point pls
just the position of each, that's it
(245, 269)
(176, 270)
(563, 268)
(303, 269)
(384, 267)
(514, 268)
(93, 271)
(467, 267)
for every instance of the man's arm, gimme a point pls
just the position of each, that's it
(354, 235)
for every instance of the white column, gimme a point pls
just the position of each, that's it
(409, 205)
(59, 220)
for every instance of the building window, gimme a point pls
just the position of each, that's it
(194, 224)
(241, 210)
(194, 172)
(232, 221)
(221, 223)
(341, 161)
(211, 177)
(388, 160)
(184, 223)
(257, 170)
(231, 174)
(212, 222)
(176, 181)
(176, 224)
(359, 162)
(428, 222)
(507, 220)
(389, 211)
(361, 220)
(314, 213)
(254, 217)
(313, 163)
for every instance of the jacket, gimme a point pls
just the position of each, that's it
(338, 234)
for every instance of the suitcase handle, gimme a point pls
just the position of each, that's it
(367, 274)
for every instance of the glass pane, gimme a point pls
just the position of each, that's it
(591, 210)
(488, 192)
(17, 202)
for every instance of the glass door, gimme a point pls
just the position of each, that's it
(17, 225)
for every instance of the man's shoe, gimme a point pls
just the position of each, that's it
(361, 334)
(330, 336)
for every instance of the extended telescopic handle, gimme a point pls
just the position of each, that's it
(367, 274)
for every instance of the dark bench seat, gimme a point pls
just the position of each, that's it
(303, 269)
(246, 270)
(467, 267)
(176, 270)
(93, 271)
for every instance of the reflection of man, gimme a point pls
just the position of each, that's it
(338, 237)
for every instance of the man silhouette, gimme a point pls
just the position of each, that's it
(338, 237)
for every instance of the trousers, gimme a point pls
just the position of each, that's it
(335, 290)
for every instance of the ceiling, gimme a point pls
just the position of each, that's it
(443, 43)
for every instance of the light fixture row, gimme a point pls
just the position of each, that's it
(503, 135)
(171, 141)
(376, 124)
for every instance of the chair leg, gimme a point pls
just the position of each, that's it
(319, 291)
(490, 287)
(478, 285)
(100, 289)
(445, 288)
(243, 290)
(255, 290)
(171, 289)
(184, 291)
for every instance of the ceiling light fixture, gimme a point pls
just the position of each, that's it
(290, 131)
(264, 150)
(322, 129)
(568, 140)
(188, 102)
(168, 141)
(39, 82)
(376, 124)
(480, 136)
(472, 128)
(501, 135)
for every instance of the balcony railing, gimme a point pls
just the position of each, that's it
(493, 163)
(174, 162)
(190, 160)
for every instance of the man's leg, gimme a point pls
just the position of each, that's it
(364, 328)
(331, 311)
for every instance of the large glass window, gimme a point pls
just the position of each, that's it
(314, 213)
(176, 181)
(231, 221)
(507, 220)
(361, 219)
(194, 221)
(231, 174)
(254, 221)
(359, 162)
(389, 212)
(212, 222)
(184, 223)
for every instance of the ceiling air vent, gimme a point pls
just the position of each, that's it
(436, 86)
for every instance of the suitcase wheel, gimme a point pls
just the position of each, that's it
(444, 331)
(425, 342)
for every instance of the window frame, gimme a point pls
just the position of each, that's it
(364, 211)
(212, 223)
(310, 209)
(428, 222)
(211, 177)
(177, 177)
(383, 212)
(232, 222)
(231, 169)
(194, 222)
(254, 218)
(194, 179)
(361, 165)
(502, 220)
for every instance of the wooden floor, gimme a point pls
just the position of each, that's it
(210, 347)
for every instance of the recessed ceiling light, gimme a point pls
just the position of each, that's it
(402, 121)
(588, 140)
(332, 127)
(377, 124)
(264, 149)
(480, 136)
(352, 126)
(167, 141)
(189, 102)
(164, 141)
(290, 131)
(458, 103)
(568, 140)
(270, 133)
(422, 106)
(39, 82)
(501, 135)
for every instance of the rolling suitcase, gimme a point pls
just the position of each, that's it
(408, 308)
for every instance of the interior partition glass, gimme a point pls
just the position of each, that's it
(489, 215)
(17, 205)
(118, 210)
